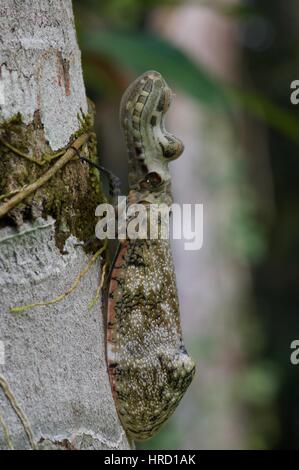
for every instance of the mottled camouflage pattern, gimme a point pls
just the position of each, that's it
(149, 367)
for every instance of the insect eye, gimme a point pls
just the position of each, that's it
(152, 180)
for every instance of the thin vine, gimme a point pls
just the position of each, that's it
(25, 192)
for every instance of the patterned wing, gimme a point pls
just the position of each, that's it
(149, 367)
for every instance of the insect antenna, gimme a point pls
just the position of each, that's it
(114, 181)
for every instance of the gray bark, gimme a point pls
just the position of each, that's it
(52, 358)
(40, 66)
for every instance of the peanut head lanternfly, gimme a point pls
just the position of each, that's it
(149, 368)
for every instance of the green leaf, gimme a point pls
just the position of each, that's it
(140, 52)
(285, 121)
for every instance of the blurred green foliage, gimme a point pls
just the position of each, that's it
(103, 35)
(122, 14)
(140, 51)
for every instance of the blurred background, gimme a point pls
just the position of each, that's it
(230, 64)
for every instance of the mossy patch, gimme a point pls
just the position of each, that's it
(70, 196)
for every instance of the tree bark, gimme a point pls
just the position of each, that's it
(54, 386)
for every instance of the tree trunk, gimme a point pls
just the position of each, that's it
(54, 386)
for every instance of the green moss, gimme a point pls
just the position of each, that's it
(75, 187)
